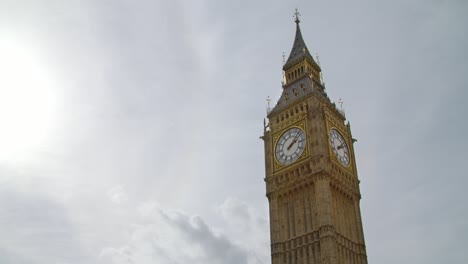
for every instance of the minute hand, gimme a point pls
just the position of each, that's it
(294, 141)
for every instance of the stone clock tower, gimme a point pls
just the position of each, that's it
(311, 178)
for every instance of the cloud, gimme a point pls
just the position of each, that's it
(168, 236)
(245, 223)
(117, 195)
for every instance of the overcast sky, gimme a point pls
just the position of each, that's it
(129, 130)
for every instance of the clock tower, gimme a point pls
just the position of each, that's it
(311, 179)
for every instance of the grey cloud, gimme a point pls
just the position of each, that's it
(246, 224)
(233, 208)
(10, 257)
(167, 236)
(245, 219)
(166, 100)
(33, 227)
(216, 248)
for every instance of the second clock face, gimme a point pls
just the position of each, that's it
(290, 146)
(339, 147)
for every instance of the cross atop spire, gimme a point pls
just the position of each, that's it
(297, 15)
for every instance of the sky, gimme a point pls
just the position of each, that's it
(129, 130)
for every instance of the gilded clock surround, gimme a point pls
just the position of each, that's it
(338, 124)
(345, 146)
(314, 205)
(277, 165)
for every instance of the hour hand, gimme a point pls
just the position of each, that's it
(292, 143)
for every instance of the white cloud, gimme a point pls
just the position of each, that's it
(117, 194)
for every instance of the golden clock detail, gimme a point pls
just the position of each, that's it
(290, 146)
(339, 147)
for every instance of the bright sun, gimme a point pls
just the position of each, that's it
(27, 100)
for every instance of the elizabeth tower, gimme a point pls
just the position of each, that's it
(311, 178)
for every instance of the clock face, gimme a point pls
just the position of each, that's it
(339, 147)
(290, 146)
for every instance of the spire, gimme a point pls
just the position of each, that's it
(299, 49)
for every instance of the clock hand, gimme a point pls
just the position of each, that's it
(294, 141)
(341, 146)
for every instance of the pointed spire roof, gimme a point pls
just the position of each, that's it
(299, 50)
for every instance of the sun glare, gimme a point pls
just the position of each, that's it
(27, 100)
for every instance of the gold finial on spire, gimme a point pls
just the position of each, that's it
(297, 15)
